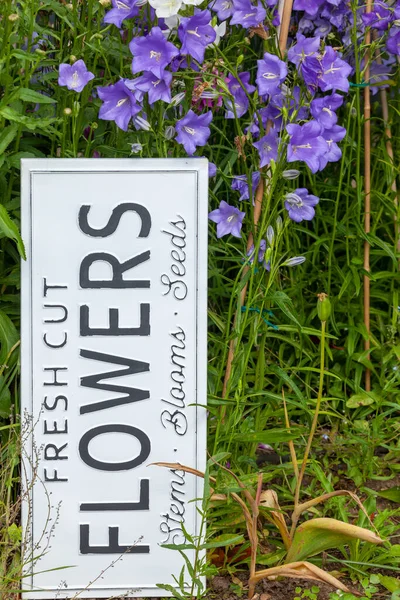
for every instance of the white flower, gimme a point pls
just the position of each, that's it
(220, 30)
(193, 2)
(166, 8)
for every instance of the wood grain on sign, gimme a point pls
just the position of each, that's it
(113, 371)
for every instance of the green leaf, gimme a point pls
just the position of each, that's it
(8, 337)
(7, 136)
(390, 583)
(5, 399)
(393, 494)
(271, 436)
(317, 535)
(10, 230)
(31, 96)
(285, 304)
(363, 399)
(14, 160)
(225, 539)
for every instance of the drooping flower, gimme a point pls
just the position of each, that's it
(267, 147)
(75, 76)
(271, 72)
(323, 109)
(240, 103)
(193, 130)
(122, 9)
(166, 8)
(328, 72)
(300, 205)
(306, 144)
(196, 33)
(261, 255)
(229, 219)
(246, 14)
(212, 169)
(223, 8)
(334, 153)
(241, 185)
(157, 88)
(152, 53)
(119, 104)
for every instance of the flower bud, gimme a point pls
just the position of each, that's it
(72, 59)
(178, 99)
(69, 6)
(105, 2)
(323, 307)
(136, 148)
(279, 224)
(142, 123)
(169, 132)
(290, 174)
(294, 261)
(13, 17)
(270, 235)
(67, 111)
(240, 59)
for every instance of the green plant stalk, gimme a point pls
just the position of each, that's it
(313, 427)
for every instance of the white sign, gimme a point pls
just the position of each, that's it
(113, 370)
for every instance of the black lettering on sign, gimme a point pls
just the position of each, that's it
(55, 430)
(55, 452)
(47, 286)
(56, 401)
(62, 307)
(87, 437)
(55, 381)
(93, 381)
(114, 220)
(55, 346)
(114, 328)
(55, 477)
(113, 544)
(142, 504)
(118, 269)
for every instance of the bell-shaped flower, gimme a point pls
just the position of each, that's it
(196, 33)
(246, 14)
(229, 219)
(323, 109)
(271, 72)
(166, 8)
(119, 104)
(75, 76)
(193, 130)
(152, 53)
(157, 88)
(306, 144)
(121, 10)
(300, 205)
(267, 148)
(334, 153)
(223, 8)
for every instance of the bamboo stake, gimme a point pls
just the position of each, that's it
(283, 37)
(367, 194)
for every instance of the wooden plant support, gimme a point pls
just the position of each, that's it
(285, 9)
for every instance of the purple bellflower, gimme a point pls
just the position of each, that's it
(119, 104)
(223, 8)
(306, 144)
(328, 72)
(196, 33)
(300, 205)
(310, 6)
(304, 47)
(157, 88)
(75, 76)
(240, 104)
(379, 18)
(229, 219)
(246, 14)
(240, 184)
(334, 153)
(267, 148)
(152, 53)
(271, 72)
(261, 255)
(323, 109)
(121, 10)
(193, 130)
(393, 41)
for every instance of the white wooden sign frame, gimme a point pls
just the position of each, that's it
(116, 276)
